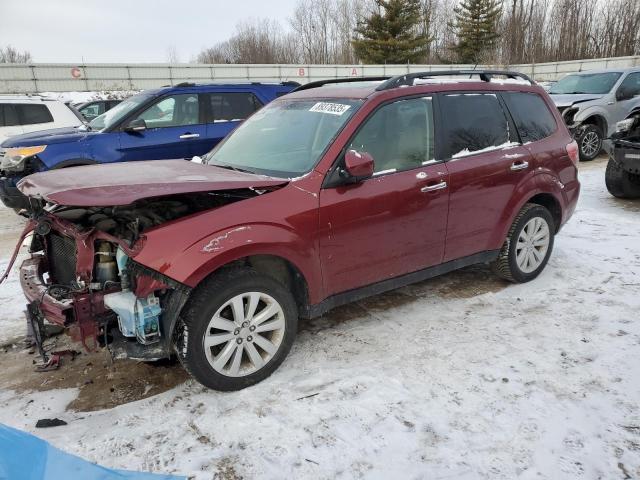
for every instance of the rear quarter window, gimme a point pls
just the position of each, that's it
(474, 122)
(531, 115)
(33, 114)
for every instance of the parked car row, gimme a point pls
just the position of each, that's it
(336, 191)
(593, 102)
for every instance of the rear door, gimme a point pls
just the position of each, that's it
(226, 111)
(486, 161)
(395, 222)
(175, 124)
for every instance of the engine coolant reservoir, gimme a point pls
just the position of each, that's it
(137, 317)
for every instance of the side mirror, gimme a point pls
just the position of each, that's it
(359, 165)
(137, 125)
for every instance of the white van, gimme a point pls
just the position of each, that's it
(25, 114)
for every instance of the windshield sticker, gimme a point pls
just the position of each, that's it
(331, 108)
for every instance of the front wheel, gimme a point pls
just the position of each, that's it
(237, 329)
(528, 246)
(590, 143)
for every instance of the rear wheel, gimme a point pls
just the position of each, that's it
(590, 143)
(528, 246)
(238, 328)
(621, 183)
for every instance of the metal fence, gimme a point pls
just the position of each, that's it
(65, 77)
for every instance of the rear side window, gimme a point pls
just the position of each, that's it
(533, 119)
(8, 115)
(226, 107)
(33, 114)
(474, 122)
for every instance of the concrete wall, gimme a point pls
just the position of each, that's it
(58, 77)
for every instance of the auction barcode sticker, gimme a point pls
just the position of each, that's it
(332, 108)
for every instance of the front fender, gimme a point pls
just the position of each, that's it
(590, 111)
(205, 256)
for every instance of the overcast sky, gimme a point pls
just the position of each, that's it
(126, 30)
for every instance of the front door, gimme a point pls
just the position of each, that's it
(486, 162)
(395, 222)
(174, 125)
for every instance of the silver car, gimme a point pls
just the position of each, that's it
(592, 102)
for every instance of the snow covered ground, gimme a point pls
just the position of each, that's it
(459, 377)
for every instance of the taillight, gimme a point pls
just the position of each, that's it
(572, 151)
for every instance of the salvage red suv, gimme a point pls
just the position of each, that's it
(332, 193)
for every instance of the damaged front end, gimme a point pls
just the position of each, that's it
(82, 273)
(86, 228)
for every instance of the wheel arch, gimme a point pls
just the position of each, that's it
(75, 162)
(277, 266)
(599, 121)
(543, 194)
(551, 203)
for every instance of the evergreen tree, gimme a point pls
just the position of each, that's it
(391, 34)
(476, 26)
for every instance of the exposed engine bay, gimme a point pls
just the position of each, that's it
(129, 221)
(82, 274)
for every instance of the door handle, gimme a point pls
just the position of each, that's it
(432, 188)
(516, 166)
(189, 135)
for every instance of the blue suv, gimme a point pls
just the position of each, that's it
(182, 121)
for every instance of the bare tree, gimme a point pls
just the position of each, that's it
(9, 54)
(172, 54)
(531, 31)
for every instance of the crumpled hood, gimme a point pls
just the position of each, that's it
(125, 183)
(568, 100)
(48, 137)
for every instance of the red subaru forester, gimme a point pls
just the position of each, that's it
(337, 191)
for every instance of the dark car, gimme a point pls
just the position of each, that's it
(623, 170)
(182, 121)
(323, 197)
(93, 109)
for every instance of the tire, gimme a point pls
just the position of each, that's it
(508, 264)
(590, 143)
(621, 184)
(231, 335)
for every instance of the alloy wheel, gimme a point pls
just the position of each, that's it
(590, 144)
(532, 245)
(244, 334)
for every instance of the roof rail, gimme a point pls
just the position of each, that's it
(330, 81)
(485, 76)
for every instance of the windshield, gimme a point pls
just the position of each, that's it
(286, 138)
(117, 113)
(594, 84)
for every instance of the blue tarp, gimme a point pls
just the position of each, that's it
(26, 457)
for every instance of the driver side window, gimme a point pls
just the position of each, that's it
(399, 136)
(172, 111)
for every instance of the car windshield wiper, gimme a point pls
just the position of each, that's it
(231, 167)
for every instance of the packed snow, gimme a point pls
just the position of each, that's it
(444, 379)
